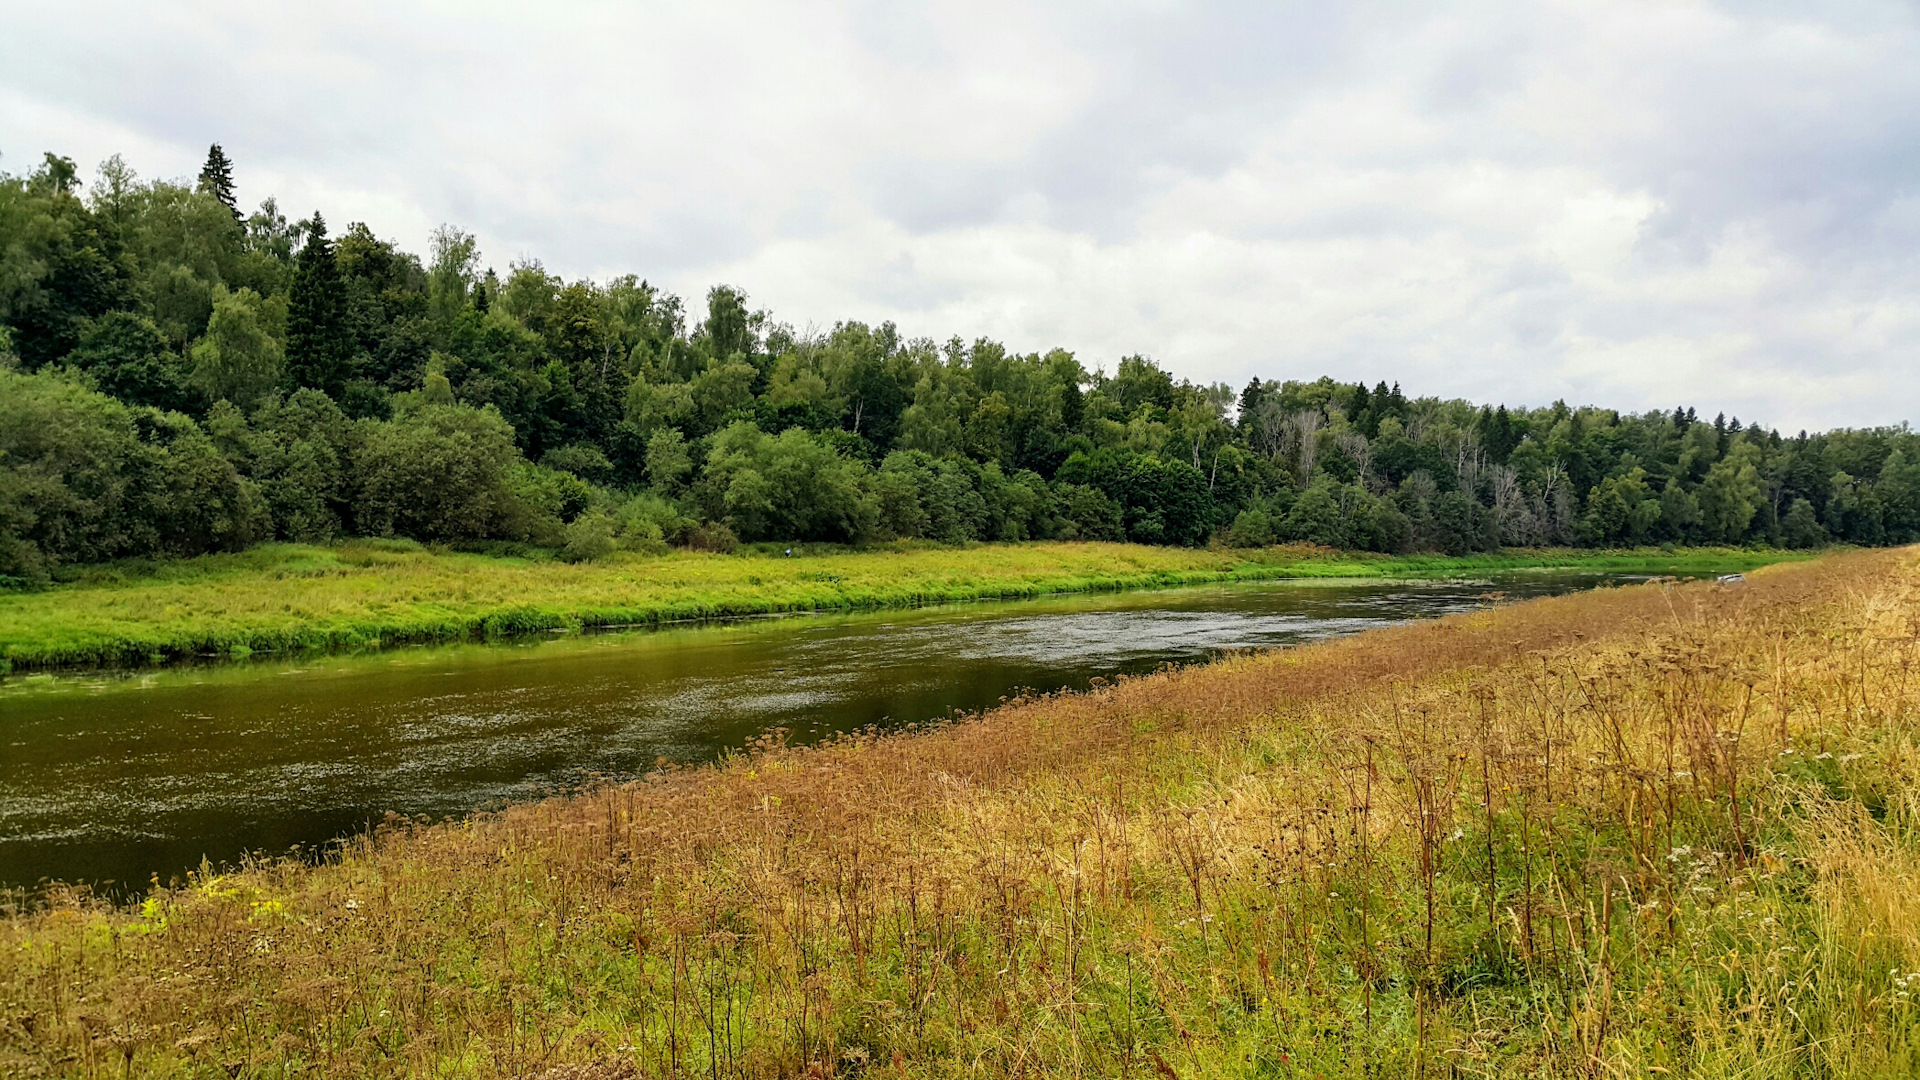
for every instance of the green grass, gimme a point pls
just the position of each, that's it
(1639, 832)
(280, 597)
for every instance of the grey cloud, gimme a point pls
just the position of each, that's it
(1644, 203)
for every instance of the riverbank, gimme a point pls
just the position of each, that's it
(1634, 831)
(286, 597)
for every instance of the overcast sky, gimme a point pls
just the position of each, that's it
(1633, 205)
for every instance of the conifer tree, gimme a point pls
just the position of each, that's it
(318, 346)
(216, 179)
(1249, 401)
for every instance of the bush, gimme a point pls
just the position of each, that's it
(1252, 528)
(1315, 518)
(667, 460)
(933, 498)
(64, 452)
(1462, 525)
(441, 472)
(1162, 502)
(583, 460)
(299, 451)
(190, 495)
(710, 536)
(1376, 524)
(126, 355)
(1800, 528)
(1086, 513)
(791, 486)
(589, 537)
(550, 493)
(1019, 507)
(85, 478)
(647, 522)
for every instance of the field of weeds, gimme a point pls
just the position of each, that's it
(1650, 831)
(358, 594)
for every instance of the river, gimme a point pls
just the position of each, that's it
(114, 778)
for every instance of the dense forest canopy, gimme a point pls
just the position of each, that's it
(177, 377)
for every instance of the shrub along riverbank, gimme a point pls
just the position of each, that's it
(289, 596)
(1633, 831)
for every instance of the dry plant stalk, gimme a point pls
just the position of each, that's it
(1665, 829)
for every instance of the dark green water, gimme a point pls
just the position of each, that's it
(113, 779)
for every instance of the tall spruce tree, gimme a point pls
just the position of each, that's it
(216, 179)
(319, 348)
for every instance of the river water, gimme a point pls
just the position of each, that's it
(116, 778)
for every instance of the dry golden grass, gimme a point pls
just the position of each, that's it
(1645, 831)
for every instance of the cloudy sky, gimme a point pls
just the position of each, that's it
(1629, 204)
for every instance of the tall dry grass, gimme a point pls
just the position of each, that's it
(1665, 830)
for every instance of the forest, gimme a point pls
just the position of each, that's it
(178, 377)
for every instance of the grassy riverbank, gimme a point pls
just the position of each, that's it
(1639, 831)
(287, 596)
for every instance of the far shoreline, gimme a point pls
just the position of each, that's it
(282, 599)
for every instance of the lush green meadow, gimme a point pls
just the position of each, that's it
(280, 597)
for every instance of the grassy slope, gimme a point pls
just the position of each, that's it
(1624, 833)
(283, 596)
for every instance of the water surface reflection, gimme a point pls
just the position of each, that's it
(119, 778)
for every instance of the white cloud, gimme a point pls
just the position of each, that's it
(1635, 204)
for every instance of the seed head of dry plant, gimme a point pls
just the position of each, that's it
(1667, 829)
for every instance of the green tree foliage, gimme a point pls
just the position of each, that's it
(67, 456)
(190, 494)
(1730, 494)
(238, 359)
(668, 463)
(298, 451)
(440, 473)
(1801, 528)
(84, 477)
(200, 377)
(722, 391)
(934, 498)
(454, 274)
(319, 340)
(1622, 509)
(789, 486)
(1161, 501)
(384, 311)
(589, 537)
(216, 179)
(583, 460)
(60, 263)
(728, 328)
(127, 357)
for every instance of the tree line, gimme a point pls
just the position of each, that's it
(179, 377)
